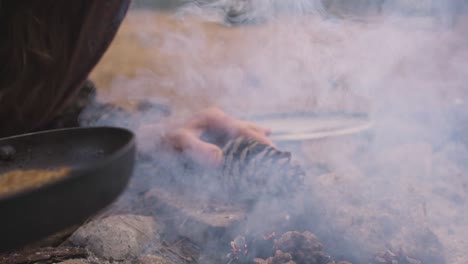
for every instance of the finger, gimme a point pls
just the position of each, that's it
(214, 118)
(211, 118)
(201, 152)
(259, 129)
(260, 137)
(267, 131)
(204, 153)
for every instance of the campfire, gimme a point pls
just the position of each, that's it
(370, 162)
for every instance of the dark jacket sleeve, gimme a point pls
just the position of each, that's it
(95, 29)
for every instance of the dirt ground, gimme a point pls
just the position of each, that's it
(195, 63)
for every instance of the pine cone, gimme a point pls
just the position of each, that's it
(279, 258)
(252, 170)
(389, 257)
(303, 247)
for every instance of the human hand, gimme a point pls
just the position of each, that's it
(186, 137)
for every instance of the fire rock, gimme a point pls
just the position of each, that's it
(120, 237)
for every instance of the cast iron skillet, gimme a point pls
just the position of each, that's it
(101, 161)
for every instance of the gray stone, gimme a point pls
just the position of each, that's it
(117, 237)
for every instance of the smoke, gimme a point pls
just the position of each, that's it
(402, 63)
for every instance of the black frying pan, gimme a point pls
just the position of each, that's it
(101, 162)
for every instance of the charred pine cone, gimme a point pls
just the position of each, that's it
(390, 257)
(303, 247)
(252, 170)
(279, 258)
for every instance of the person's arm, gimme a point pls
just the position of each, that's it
(157, 129)
(48, 48)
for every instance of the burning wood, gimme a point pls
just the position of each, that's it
(44, 255)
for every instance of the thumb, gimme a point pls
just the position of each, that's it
(202, 152)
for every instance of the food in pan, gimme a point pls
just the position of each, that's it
(17, 180)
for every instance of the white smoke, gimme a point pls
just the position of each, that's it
(401, 63)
